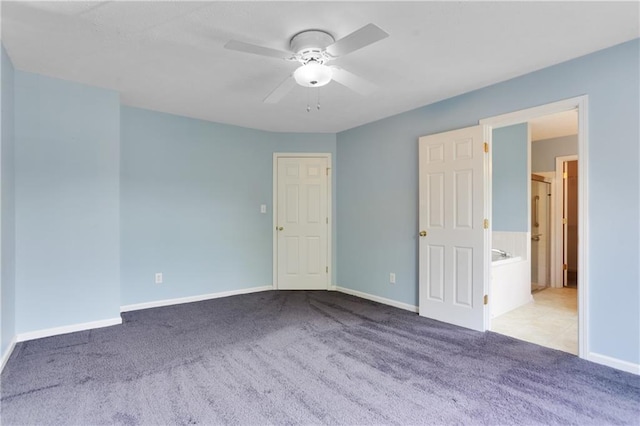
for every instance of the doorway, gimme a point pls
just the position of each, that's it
(549, 316)
(301, 238)
(570, 223)
(579, 296)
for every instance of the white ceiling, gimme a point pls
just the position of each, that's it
(169, 56)
(554, 126)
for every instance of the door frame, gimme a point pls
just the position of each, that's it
(558, 243)
(580, 104)
(274, 211)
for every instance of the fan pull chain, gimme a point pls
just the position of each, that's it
(309, 99)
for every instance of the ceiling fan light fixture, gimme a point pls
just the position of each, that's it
(313, 74)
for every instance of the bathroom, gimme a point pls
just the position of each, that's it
(534, 240)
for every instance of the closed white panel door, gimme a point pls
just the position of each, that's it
(453, 240)
(302, 224)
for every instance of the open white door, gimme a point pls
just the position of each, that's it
(302, 223)
(454, 245)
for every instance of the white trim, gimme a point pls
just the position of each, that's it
(487, 174)
(558, 243)
(529, 206)
(7, 354)
(38, 334)
(581, 104)
(326, 155)
(618, 364)
(383, 300)
(190, 299)
(524, 115)
(583, 228)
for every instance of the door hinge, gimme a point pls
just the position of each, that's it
(565, 267)
(564, 220)
(326, 269)
(485, 224)
(485, 299)
(486, 147)
(328, 168)
(564, 175)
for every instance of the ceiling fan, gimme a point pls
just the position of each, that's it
(313, 49)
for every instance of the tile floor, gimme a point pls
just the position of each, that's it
(551, 320)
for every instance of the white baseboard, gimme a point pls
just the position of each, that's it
(618, 364)
(7, 353)
(383, 300)
(21, 337)
(168, 302)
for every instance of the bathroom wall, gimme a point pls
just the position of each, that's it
(510, 279)
(509, 178)
(545, 151)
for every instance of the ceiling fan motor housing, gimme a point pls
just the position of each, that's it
(309, 46)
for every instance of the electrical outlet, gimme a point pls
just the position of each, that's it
(392, 278)
(158, 277)
(263, 208)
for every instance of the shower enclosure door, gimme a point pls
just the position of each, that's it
(540, 230)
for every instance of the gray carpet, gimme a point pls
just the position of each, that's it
(304, 358)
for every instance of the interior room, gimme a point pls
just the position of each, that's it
(285, 212)
(547, 314)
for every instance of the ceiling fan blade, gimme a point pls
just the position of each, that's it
(356, 40)
(281, 91)
(257, 50)
(352, 81)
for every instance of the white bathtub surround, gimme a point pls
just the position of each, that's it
(510, 285)
(511, 276)
(505, 261)
(514, 243)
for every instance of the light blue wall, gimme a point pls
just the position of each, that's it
(378, 187)
(377, 208)
(67, 203)
(190, 206)
(7, 248)
(67, 197)
(510, 182)
(544, 152)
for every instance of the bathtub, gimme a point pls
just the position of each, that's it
(498, 259)
(510, 283)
